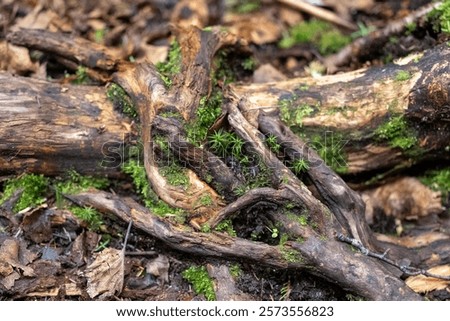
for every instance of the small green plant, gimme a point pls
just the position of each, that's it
(81, 76)
(272, 142)
(121, 100)
(172, 66)
(410, 28)
(274, 232)
(300, 166)
(89, 215)
(331, 149)
(438, 180)
(249, 64)
(397, 132)
(363, 30)
(226, 226)
(201, 282)
(322, 34)
(402, 75)
(205, 228)
(34, 188)
(99, 35)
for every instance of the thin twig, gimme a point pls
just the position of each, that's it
(407, 270)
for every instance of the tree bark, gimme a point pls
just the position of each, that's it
(50, 128)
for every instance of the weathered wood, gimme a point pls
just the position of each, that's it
(99, 59)
(50, 128)
(329, 259)
(349, 107)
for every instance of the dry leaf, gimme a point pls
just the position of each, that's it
(159, 268)
(105, 274)
(9, 256)
(423, 284)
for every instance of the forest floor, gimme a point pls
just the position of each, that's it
(46, 242)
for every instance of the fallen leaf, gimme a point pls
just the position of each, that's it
(159, 268)
(423, 284)
(105, 274)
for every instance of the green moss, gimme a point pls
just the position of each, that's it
(172, 66)
(89, 215)
(397, 132)
(34, 189)
(249, 64)
(76, 183)
(438, 180)
(301, 219)
(82, 77)
(201, 282)
(175, 175)
(206, 199)
(327, 38)
(148, 196)
(235, 270)
(402, 75)
(440, 17)
(293, 115)
(121, 100)
(290, 255)
(99, 35)
(223, 69)
(244, 6)
(207, 112)
(226, 226)
(226, 143)
(410, 28)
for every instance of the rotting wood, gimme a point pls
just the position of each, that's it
(50, 128)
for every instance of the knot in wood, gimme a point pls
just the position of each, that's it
(438, 93)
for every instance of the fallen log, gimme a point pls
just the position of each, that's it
(51, 128)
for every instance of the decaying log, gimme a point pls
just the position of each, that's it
(349, 107)
(50, 128)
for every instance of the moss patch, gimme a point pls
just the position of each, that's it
(440, 17)
(201, 282)
(402, 75)
(397, 132)
(293, 114)
(89, 215)
(121, 100)
(34, 188)
(148, 196)
(172, 66)
(438, 180)
(322, 34)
